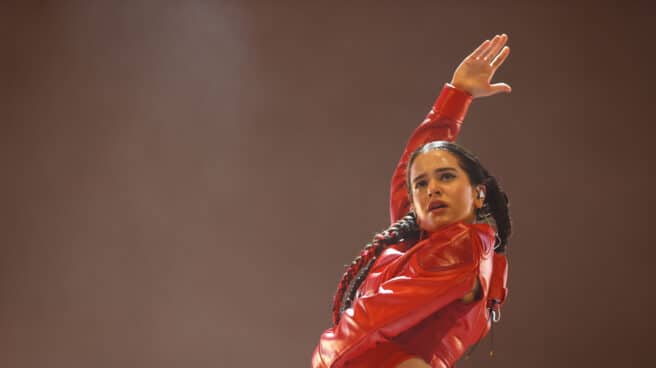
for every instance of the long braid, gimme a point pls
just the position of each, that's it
(357, 271)
(496, 205)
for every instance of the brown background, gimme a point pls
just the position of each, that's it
(183, 181)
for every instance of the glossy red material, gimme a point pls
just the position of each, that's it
(410, 303)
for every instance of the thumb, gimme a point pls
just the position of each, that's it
(500, 88)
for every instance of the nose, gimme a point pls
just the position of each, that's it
(434, 188)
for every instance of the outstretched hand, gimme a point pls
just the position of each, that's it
(473, 75)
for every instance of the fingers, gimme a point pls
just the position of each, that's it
(479, 50)
(499, 59)
(500, 88)
(497, 43)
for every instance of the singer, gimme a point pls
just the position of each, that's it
(429, 287)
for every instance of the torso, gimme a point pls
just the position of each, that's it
(427, 339)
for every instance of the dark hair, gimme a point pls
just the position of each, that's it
(406, 229)
(496, 200)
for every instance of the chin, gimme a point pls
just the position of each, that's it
(436, 226)
(432, 226)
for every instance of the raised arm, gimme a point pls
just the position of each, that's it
(434, 274)
(441, 124)
(470, 80)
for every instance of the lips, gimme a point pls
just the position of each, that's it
(434, 205)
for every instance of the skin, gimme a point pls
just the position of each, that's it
(473, 76)
(413, 363)
(475, 72)
(437, 175)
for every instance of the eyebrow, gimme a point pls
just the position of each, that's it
(436, 170)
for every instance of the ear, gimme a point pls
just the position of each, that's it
(479, 195)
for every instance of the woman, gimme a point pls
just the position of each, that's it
(428, 288)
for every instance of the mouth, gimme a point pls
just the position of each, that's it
(436, 206)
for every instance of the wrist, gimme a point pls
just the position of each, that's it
(453, 103)
(459, 86)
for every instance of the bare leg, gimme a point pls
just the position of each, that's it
(414, 363)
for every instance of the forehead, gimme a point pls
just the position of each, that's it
(433, 160)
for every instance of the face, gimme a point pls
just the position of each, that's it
(441, 191)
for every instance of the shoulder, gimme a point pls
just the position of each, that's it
(455, 244)
(485, 234)
(391, 254)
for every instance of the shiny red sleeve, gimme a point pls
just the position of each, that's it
(432, 276)
(441, 124)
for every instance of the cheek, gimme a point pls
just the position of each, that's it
(418, 200)
(464, 197)
(420, 204)
(417, 206)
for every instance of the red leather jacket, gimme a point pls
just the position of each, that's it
(410, 303)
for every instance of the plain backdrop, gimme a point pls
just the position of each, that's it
(183, 181)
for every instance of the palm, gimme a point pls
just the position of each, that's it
(475, 72)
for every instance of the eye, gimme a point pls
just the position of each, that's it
(447, 176)
(421, 183)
